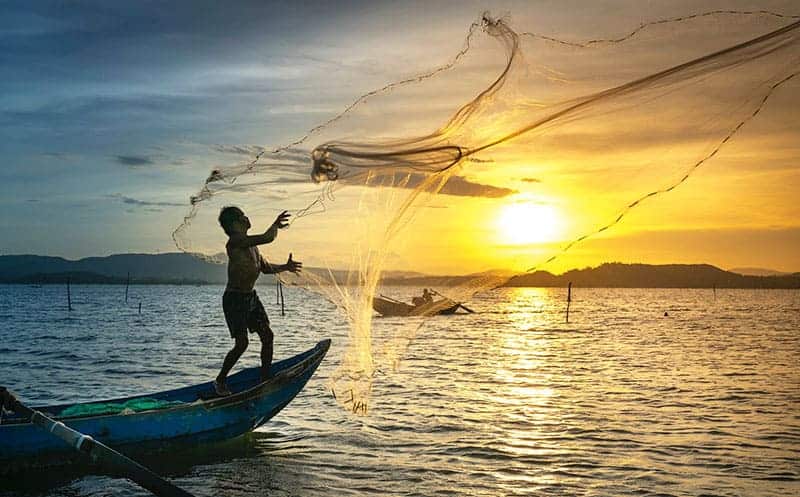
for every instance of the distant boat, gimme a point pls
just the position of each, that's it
(386, 306)
(187, 420)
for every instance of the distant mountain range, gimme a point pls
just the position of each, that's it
(757, 271)
(618, 275)
(179, 268)
(143, 268)
(173, 268)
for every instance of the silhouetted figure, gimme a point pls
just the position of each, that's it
(240, 303)
(427, 298)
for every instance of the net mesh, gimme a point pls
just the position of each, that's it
(106, 408)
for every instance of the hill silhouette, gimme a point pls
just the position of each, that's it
(619, 275)
(150, 268)
(171, 268)
(757, 271)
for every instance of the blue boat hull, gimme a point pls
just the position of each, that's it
(195, 421)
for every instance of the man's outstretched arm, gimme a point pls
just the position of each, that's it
(268, 236)
(291, 265)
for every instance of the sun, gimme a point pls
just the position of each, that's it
(524, 223)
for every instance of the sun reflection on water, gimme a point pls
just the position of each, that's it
(523, 377)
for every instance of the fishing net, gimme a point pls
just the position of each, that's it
(106, 408)
(519, 152)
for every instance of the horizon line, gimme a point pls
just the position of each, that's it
(442, 275)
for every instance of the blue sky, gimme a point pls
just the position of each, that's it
(110, 112)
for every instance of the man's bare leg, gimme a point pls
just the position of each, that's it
(231, 358)
(266, 352)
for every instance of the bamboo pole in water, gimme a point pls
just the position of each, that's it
(96, 451)
(280, 288)
(569, 298)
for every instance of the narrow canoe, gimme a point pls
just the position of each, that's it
(189, 420)
(386, 307)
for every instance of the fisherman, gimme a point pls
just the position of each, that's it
(243, 310)
(427, 298)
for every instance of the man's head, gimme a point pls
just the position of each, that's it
(233, 220)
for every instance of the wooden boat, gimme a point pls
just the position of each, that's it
(189, 420)
(389, 307)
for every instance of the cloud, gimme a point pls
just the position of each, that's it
(462, 187)
(249, 150)
(531, 180)
(134, 160)
(150, 160)
(143, 203)
(458, 185)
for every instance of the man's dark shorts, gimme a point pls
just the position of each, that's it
(243, 312)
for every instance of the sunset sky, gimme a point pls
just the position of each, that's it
(112, 115)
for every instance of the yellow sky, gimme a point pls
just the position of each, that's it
(736, 211)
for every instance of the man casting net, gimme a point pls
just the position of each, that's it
(584, 137)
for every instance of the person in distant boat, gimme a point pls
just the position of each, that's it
(243, 310)
(427, 298)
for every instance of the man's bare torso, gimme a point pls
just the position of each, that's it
(244, 266)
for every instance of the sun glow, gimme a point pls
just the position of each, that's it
(523, 223)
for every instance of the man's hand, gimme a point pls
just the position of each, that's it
(242, 240)
(293, 266)
(281, 221)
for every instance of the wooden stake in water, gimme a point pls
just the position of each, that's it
(569, 298)
(280, 288)
(140, 307)
(127, 283)
(69, 297)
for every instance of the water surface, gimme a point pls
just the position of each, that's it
(511, 400)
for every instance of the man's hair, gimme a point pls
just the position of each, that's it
(228, 216)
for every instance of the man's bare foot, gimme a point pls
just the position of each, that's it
(221, 388)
